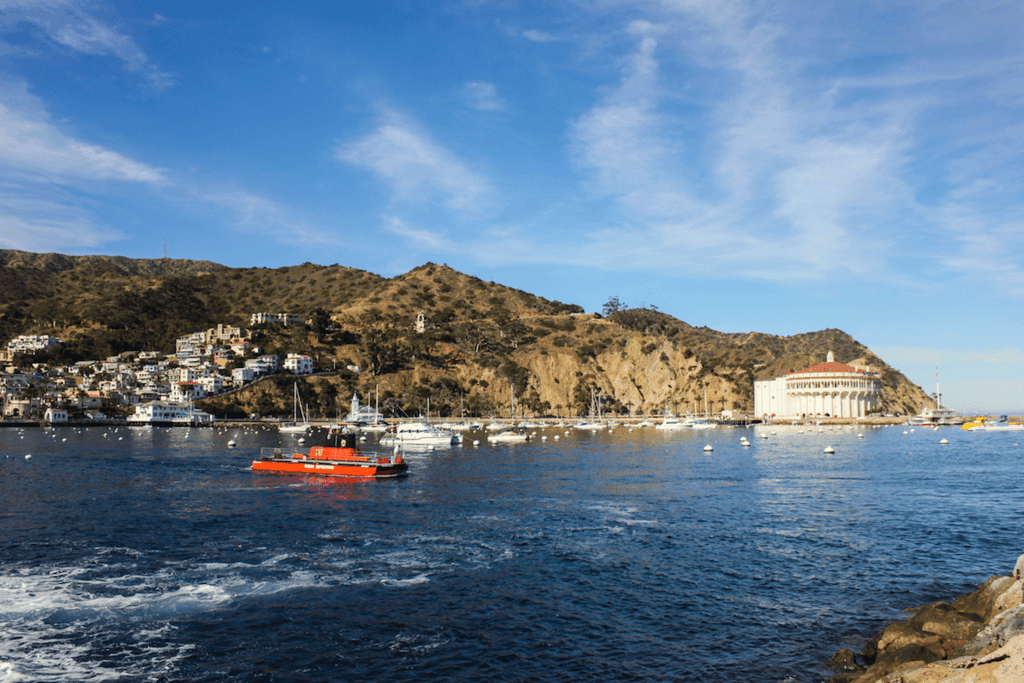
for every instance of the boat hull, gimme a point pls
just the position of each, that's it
(331, 462)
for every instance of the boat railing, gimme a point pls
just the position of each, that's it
(273, 452)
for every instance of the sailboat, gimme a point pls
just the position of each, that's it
(705, 423)
(591, 423)
(510, 435)
(295, 427)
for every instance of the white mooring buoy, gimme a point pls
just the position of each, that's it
(944, 441)
(708, 448)
(829, 449)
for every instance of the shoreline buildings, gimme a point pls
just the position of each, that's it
(829, 389)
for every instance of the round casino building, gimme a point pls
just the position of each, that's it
(829, 389)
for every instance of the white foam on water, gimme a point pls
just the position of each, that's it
(637, 522)
(56, 622)
(414, 581)
(405, 559)
(417, 643)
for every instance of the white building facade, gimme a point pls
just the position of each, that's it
(298, 364)
(829, 389)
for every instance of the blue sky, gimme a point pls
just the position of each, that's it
(780, 167)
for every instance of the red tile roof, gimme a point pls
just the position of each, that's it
(832, 367)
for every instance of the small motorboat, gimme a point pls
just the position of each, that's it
(331, 461)
(507, 437)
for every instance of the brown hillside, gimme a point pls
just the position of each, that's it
(480, 338)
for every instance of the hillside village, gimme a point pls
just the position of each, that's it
(100, 335)
(204, 364)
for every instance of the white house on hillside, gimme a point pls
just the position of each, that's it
(298, 365)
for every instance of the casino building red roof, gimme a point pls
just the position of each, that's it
(832, 367)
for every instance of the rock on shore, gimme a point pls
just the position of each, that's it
(979, 638)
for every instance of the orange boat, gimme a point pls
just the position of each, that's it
(331, 461)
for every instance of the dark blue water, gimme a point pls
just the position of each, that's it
(157, 555)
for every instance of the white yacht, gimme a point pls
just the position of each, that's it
(671, 422)
(419, 435)
(508, 436)
(937, 416)
(168, 414)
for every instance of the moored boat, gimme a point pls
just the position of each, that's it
(983, 424)
(168, 414)
(331, 461)
(296, 427)
(671, 422)
(937, 416)
(419, 435)
(508, 436)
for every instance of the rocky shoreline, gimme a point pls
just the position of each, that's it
(978, 638)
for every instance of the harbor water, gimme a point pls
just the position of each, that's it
(155, 554)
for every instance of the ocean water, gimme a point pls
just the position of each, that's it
(157, 555)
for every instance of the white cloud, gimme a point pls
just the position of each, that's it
(416, 167)
(40, 218)
(998, 357)
(418, 238)
(768, 168)
(32, 146)
(67, 24)
(538, 36)
(483, 96)
(45, 172)
(66, 236)
(252, 213)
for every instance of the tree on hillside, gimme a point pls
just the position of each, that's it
(321, 322)
(613, 306)
(383, 346)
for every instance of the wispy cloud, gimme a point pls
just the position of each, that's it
(997, 357)
(483, 96)
(418, 238)
(539, 36)
(252, 213)
(37, 219)
(51, 182)
(35, 147)
(415, 166)
(769, 167)
(66, 23)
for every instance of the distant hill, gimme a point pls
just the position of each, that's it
(482, 341)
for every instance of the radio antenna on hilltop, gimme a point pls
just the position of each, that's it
(165, 248)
